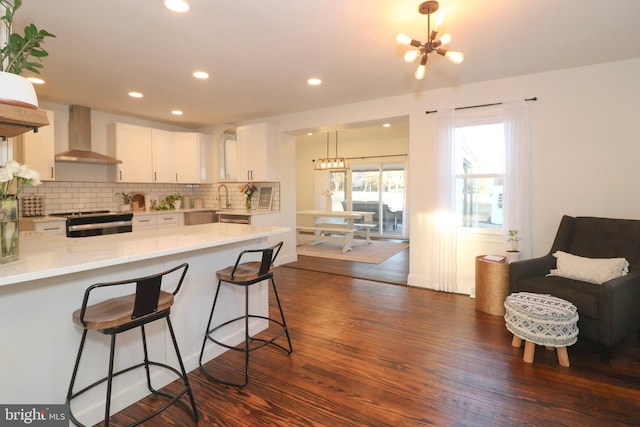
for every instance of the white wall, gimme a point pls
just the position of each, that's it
(583, 157)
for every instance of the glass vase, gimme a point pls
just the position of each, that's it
(248, 204)
(9, 232)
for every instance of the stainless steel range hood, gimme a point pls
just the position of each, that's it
(80, 140)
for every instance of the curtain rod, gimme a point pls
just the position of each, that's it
(535, 98)
(371, 157)
(377, 157)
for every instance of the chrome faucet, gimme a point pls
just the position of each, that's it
(226, 196)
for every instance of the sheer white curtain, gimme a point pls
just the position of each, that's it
(444, 223)
(517, 187)
(322, 187)
(517, 190)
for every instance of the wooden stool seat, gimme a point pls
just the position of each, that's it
(245, 272)
(116, 311)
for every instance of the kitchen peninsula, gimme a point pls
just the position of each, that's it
(39, 292)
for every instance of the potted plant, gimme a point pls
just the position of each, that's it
(248, 190)
(513, 238)
(172, 201)
(176, 200)
(14, 178)
(127, 198)
(18, 53)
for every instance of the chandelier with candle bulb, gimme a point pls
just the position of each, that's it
(433, 43)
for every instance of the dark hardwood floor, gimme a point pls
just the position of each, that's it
(373, 354)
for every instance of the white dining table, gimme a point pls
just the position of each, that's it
(348, 216)
(325, 226)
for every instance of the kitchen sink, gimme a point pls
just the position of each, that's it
(234, 218)
(200, 217)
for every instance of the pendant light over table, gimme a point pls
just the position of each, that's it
(332, 163)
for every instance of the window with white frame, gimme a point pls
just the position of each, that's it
(480, 165)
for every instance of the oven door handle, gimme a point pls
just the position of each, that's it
(99, 225)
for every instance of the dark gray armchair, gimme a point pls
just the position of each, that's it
(609, 312)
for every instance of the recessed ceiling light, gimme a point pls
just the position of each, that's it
(310, 133)
(200, 74)
(386, 125)
(176, 112)
(135, 94)
(179, 6)
(35, 80)
(314, 81)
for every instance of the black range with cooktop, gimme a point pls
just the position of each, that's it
(96, 223)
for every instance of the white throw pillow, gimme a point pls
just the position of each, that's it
(592, 270)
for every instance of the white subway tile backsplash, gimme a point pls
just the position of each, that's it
(63, 196)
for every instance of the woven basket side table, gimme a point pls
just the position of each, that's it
(492, 286)
(541, 319)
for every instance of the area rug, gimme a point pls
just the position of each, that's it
(374, 253)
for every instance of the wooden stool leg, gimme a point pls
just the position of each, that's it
(563, 357)
(516, 341)
(529, 351)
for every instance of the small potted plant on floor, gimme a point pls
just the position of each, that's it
(513, 238)
(18, 53)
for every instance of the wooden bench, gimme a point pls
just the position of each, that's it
(327, 233)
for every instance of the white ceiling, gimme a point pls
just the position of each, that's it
(260, 53)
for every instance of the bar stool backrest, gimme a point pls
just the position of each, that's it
(269, 256)
(147, 295)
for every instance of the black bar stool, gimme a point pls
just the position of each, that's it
(113, 316)
(246, 274)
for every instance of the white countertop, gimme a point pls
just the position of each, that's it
(159, 212)
(218, 211)
(48, 218)
(43, 255)
(244, 212)
(42, 218)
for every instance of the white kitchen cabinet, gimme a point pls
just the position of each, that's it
(207, 159)
(186, 160)
(54, 226)
(169, 219)
(175, 156)
(132, 145)
(37, 150)
(159, 156)
(155, 220)
(143, 222)
(163, 153)
(257, 157)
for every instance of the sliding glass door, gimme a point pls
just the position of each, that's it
(379, 188)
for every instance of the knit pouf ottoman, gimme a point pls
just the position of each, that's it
(543, 320)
